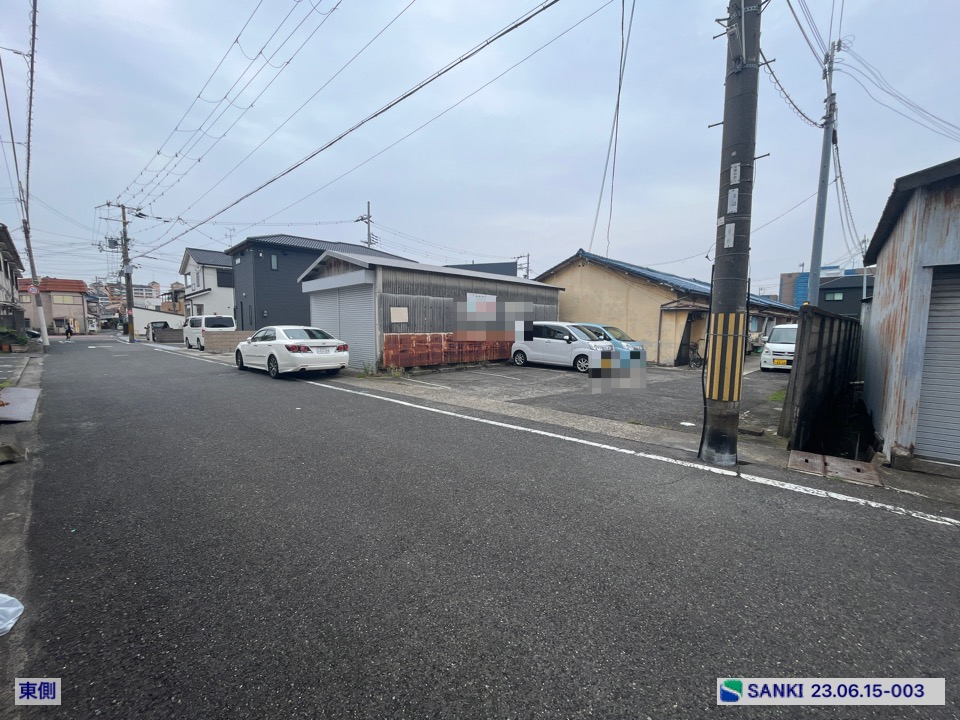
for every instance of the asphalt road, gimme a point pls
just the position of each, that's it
(207, 543)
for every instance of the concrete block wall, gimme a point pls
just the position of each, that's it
(169, 335)
(224, 342)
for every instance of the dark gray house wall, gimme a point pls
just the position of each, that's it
(842, 295)
(273, 294)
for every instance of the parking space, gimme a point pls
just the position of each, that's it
(673, 399)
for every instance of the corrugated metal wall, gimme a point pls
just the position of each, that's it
(431, 299)
(347, 313)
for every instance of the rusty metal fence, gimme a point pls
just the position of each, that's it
(825, 362)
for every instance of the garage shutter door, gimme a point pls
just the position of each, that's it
(938, 422)
(357, 324)
(325, 311)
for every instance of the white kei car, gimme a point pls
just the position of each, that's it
(282, 349)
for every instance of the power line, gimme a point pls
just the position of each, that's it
(299, 109)
(430, 121)
(409, 93)
(816, 55)
(18, 188)
(223, 106)
(782, 91)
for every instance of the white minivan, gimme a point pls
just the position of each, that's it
(779, 348)
(558, 343)
(196, 328)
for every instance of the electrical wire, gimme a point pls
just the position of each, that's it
(817, 56)
(393, 103)
(624, 48)
(146, 192)
(431, 120)
(785, 95)
(299, 109)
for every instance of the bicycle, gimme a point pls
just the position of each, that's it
(696, 359)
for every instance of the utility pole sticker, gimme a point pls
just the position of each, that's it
(733, 199)
(728, 233)
(735, 174)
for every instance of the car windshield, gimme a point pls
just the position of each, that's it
(783, 336)
(219, 322)
(585, 333)
(618, 334)
(307, 334)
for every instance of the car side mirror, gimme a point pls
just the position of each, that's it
(249, 339)
(568, 338)
(763, 339)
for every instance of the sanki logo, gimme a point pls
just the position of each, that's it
(731, 691)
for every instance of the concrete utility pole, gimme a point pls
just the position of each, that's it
(829, 120)
(127, 274)
(368, 218)
(25, 194)
(728, 311)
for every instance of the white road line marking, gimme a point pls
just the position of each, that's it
(939, 519)
(426, 383)
(493, 375)
(190, 357)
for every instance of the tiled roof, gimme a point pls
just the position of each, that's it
(688, 285)
(302, 243)
(48, 284)
(210, 257)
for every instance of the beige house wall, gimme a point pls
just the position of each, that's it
(596, 294)
(52, 311)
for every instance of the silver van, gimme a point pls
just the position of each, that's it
(196, 327)
(558, 343)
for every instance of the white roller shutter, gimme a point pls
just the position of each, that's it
(325, 311)
(938, 421)
(357, 327)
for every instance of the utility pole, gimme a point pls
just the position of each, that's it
(25, 194)
(127, 274)
(829, 120)
(525, 266)
(728, 311)
(368, 218)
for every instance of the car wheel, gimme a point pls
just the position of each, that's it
(520, 358)
(333, 371)
(273, 368)
(581, 364)
(239, 358)
(187, 343)
(199, 345)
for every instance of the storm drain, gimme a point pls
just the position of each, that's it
(834, 467)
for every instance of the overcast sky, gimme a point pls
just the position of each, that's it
(514, 169)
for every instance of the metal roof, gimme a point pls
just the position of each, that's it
(675, 282)
(302, 243)
(366, 261)
(903, 190)
(213, 258)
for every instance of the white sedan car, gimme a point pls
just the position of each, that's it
(292, 348)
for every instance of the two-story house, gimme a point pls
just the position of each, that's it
(64, 302)
(266, 271)
(208, 282)
(11, 268)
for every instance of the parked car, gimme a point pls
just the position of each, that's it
(559, 343)
(612, 334)
(196, 328)
(292, 348)
(778, 348)
(31, 333)
(155, 325)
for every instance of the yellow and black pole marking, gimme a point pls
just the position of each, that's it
(726, 352)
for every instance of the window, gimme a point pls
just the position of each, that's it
(66, 299)
(225, 278)
(833, 296)
(236, 261)
(194, 322)
(273, 261)
(25, 298)
(258, 336)
(198, 309)
(220, 321)
(188, 279)
(269, 335)
(307, 334)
